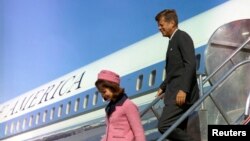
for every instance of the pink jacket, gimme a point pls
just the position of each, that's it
(124, 124)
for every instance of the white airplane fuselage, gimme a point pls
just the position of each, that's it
(72, 100)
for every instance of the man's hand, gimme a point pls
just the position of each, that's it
(181, 98)
(159, 93)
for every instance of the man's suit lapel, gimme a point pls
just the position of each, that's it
(171, 43)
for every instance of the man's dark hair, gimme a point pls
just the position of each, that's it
(168, 15)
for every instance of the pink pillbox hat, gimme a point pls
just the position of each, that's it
(109, 76)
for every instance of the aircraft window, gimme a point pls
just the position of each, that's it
(68, 108)
(17, 125)
(52, 112)
(12, 127)
(37, 118)
(139, 82)
(31, 119)
(6, 129)
(95, 98)
(60, 111)
(152, 78)
(77, 104)
(24, 123)
(85, 102)
(45, 115)
(163, 74)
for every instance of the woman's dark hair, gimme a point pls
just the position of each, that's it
(114, 87)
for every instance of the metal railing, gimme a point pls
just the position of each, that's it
(193, 107)
(228, 59)
(247, 112)
(150, 107)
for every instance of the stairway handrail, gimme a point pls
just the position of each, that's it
(247, 112)
(144, 111)
(230, 57)
(200, 100)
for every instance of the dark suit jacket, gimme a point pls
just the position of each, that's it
(180, 69)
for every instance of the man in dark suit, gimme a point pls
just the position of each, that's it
(180, 87)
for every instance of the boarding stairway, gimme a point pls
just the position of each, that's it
(203, 112)
(224, 89)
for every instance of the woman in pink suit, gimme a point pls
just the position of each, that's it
(123, 121)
